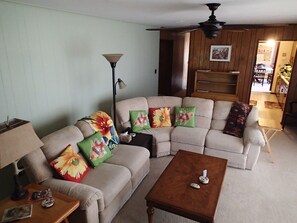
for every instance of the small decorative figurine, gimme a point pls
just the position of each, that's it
(204, 179)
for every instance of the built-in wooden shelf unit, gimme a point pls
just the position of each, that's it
(216, 85)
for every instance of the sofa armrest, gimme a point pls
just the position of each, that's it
(86, 194)
(253, 135)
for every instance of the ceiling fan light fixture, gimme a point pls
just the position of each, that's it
(212, 26)
(211, 29)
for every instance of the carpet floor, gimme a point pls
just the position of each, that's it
(267, 194)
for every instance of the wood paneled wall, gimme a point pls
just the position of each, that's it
(243, 56)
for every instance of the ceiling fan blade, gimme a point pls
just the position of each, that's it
(176, 29)
(251, 26)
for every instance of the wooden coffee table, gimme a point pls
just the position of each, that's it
(172, 191)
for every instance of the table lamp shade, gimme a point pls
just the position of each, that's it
(17, 140)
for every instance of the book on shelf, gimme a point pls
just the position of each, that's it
(17, 213)
(40, 195)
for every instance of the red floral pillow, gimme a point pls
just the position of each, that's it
(160, 117)
(237, 118)
(70, 165)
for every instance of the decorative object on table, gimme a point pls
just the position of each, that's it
(17, 139)
(132, 134)
(41, 195)
(194, 185)
(47, 203)
(221, 53)
(102, 122)
(17, 213)
(204, 179)
(125, 137)
(113, 59)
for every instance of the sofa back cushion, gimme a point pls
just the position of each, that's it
(123, 109)
(221, 112)
(37, 167)
(56, 142)
(165, 101)
(37, 162)
(204, 110)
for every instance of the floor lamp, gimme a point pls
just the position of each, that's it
(113, 59)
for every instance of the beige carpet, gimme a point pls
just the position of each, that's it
(266, 194)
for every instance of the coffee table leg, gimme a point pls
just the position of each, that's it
(150, 212)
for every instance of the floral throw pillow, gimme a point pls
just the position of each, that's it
(139, 120)
(237, 118)
(95, 149)
(101, 122)
(185, 116)
(70, 166)
(160, 117)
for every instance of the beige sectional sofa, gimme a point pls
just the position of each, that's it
(207, 137)
(104, 189)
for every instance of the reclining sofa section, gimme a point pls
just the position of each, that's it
(206, 137)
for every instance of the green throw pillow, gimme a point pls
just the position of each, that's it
(185, 116)
(95, 149)
(139, 120)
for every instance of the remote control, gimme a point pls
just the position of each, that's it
(194, 185)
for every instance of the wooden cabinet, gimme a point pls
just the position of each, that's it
(216, 85)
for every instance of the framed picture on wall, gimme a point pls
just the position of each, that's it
(220, 53)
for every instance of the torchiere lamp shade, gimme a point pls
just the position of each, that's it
(112, 58)
(17, 140)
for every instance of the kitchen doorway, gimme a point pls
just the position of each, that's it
(271, 79)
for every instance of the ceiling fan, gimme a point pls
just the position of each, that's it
(211, 27)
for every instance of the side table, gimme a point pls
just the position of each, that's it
(63, 207)
(141, 139)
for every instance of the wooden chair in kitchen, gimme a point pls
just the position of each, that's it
(259, 75)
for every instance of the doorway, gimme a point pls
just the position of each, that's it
(269, 88)
(173, 63)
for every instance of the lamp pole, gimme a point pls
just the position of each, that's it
(114, 92)
(113, 59)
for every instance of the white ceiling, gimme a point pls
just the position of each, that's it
(173, 13)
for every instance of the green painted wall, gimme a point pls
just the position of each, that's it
(52, 71)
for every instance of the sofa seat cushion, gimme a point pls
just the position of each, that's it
(194, 136)
(218, 140)
(132, 157)
(159, 134)
(108, 178)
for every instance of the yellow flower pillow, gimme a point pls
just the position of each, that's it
(70, 165)
(160, 117)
